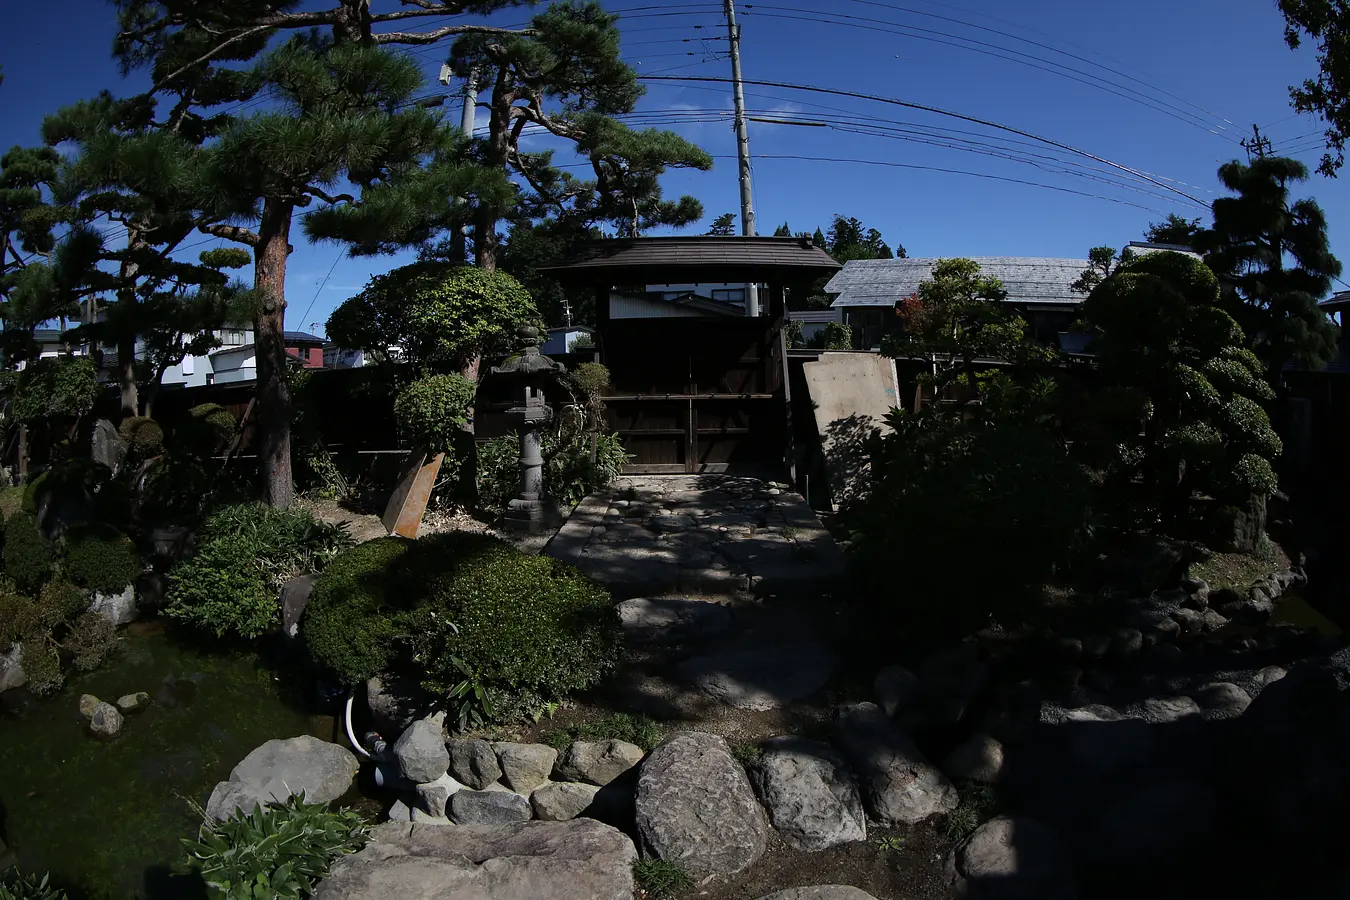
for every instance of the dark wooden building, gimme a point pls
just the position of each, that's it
(696, 393)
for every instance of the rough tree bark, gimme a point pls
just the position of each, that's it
(269, 322)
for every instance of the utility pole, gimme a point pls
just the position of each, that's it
(467, 114)
(1257, 146)
(742, 146)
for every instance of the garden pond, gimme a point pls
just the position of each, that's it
(106, 818)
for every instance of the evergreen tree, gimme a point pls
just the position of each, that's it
(1274, 260)
(1182, 394)
(818, 239)
(1328, 95)
(724, 225)
(570, 63)
(848, 239)
(1174, 229)
(345, 114)
(30, 293)
(782, 231)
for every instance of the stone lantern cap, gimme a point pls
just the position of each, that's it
(529, 364)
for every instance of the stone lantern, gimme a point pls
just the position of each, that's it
(531, 370)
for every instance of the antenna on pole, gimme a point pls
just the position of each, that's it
(742, 146)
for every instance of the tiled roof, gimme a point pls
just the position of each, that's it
(674, 255)
(1028, 279)
(301, 337)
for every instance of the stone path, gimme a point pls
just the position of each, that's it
(703, 535)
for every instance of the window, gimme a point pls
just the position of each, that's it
(730, 295)
(231, 337)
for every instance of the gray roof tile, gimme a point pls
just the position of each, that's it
(1028, 279)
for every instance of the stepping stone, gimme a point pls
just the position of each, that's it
(761, 678)
(671, 620)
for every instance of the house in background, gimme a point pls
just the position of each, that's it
(236, 359)
(814, 321)
(560, 340)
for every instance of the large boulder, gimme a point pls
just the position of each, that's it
(577, 860)
(695, 807)
(119, 609)
(761, 678)
(106, 446)
(671, 620)
(978, 759)
(525, 766)
(229, 797)
(420, 752)
(1011, 859)
(899, 785)
(305, 765)
(597, 762)
(895, 688)
(11, 668)
(434, 797)
(395, 703)
(952, 679)
(489, 808)
(810, 794)
(294, 598)
(1155, 824)
(473, 762)
(105, 721)
(562, 800)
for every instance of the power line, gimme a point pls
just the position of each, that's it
(998, 52)
(1043, 46)
(932, 109)
(321, 286)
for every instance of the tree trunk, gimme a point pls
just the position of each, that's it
(126, 344)
(485, 239)
(273, 393)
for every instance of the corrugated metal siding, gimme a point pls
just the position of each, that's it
(621, 307)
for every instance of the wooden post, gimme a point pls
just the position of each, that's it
(403, 515)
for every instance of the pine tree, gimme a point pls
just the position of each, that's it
(1274, 260)
(724, 225)
(782, 231)
(570, 62)
(29, 289)
(345, 114)
(1328, 95)
(1174, 229)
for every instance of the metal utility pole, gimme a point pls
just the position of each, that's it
(742, 146)
(467, 114)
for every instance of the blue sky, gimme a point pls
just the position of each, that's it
(1210, 69)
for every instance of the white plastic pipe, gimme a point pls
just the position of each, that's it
(347, 722)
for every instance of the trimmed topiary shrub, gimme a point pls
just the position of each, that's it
(475, 618)
(245, 553)
(28, 555)
(100, 557)
(432, 411)
(206, 429)
(143, 435)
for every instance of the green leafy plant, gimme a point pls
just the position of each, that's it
(245, 553)
(660, 879)
(498, 471)
(100, 557)
(461, 608)
(205, 430)
(838, 336)
(28, 555)
(16, 886)
(978, 805)
(59, 386)
(892, 843)
(432, 411)
(280, 851)
(746, 753)
(641, 730)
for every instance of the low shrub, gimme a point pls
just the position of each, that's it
(100, 557)
(144, 436)
(91, 638)
(280, 851)
(498, 471)
(28, 555)
(641, 730)
(570, 474)
(206, 430)
(14, 886)
(244, 555)
(479, 621)
(432, 411)
(62, 601)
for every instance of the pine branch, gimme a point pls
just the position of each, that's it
(326, 198)
(205, 57)
(231, 233)
(431, 37)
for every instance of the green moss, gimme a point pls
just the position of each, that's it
(28, 555)
(11, 501)
(1239, 571)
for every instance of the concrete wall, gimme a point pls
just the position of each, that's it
(851, 393)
